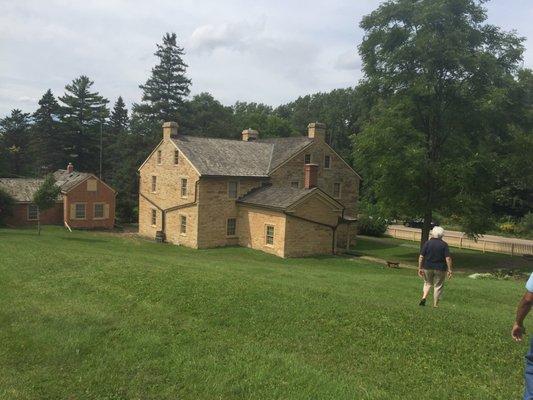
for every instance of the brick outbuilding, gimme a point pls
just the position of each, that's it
(85, 201)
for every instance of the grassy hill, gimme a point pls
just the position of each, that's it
(101, 316)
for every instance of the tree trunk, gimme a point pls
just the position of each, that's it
(426, 227)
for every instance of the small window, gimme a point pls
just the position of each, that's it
(183, 224)
(99, 210)
(176, 157)
(336, 190)
(33, 212)
(159, 157)
(154, 217)
(232, 189)
(327, 162)
(154, 183)
(264, 183)
(269, 235)
(231, 227)
(295, 184)
(307, 159)
(91, 185)
(184, 187)
(79, 211)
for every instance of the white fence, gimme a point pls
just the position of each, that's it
(489, 245)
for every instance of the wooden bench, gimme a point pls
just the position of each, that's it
(393, 264)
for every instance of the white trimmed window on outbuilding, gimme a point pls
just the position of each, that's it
(78, 211)
(269, 235)
(100, 211)
(33, 212)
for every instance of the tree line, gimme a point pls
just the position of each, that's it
(440, 125)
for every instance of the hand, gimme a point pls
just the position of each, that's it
(518, 332)
(421, 273)
(450, 274)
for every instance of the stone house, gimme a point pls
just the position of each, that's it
(291, 197)
(85, 201)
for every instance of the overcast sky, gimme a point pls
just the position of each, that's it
(267, 51)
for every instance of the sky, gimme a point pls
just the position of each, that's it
(268, 51)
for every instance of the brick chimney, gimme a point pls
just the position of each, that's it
(310, 175)
(70, 168)
(249, 134)
(316, 130)
(170, 130)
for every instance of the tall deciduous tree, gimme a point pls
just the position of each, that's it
(48, 137)
(15, 139)
(164, 92)
(83, 112)
(434, 63)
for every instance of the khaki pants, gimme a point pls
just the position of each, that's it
(436, 278)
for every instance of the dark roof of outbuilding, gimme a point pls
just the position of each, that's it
(223, 157)
(279, 197)
(21, 189)
(67, 181)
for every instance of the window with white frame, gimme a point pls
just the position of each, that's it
(269, 235)
(307, 159)
(154, 217)
(159, 157)
(79, 211)
(327, 162)
(154, 183)
(183, 224)
(98, 211)
(183, 187)
(33, 212)
(232, 189)
(336, 190)
(231, 227)
(176, 157)
(295, 184)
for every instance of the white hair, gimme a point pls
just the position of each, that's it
(437, 232)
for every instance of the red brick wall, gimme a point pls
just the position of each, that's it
(80, 194)
(52, 216)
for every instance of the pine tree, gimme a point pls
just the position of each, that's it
(47, 139)
(119, 120)
(83, 112)
(165, 90)
(14, 138)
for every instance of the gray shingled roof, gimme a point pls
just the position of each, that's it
(67, 181)
(275, 196)
(223, 157)
(21, 189)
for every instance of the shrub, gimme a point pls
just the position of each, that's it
(6, 205)
(371, 226)
(508, 227)
(526, 222)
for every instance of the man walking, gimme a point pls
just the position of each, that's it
(433, 263)
(518, 333)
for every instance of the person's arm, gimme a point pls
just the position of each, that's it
(521, 312)
(449, 263)
(421, 266)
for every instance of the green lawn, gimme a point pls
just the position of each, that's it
(100, 316)
(407, 252)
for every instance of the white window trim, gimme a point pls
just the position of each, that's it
(186, 223)
(85, 207)
(94, 211)
(273, 236)
(236, 190)
(328, 167)
(28, 213)
(152, 183)
(152, 212)
(227, 224)
(186, 187)
(340, 190)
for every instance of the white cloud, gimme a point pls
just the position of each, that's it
(348, 61)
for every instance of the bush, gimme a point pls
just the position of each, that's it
(526, 223)
(6, 205)
(508, 227)
(371, 226)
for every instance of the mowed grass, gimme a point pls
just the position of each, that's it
(407, 252)
(99, 316)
